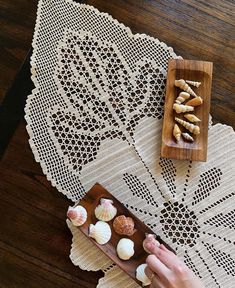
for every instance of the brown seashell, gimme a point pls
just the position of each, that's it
(124, 225)
(192, 118)
(195, 101)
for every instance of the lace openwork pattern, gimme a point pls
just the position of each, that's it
(95, 115)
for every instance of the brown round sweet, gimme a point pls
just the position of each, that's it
(124, 225)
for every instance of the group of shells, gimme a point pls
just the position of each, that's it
(101, 232)
(187, 110)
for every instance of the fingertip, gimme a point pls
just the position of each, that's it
(149, 246)
(150, 259)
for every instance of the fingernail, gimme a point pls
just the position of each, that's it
(149, 246)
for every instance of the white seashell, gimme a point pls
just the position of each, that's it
(187, 137)
(141, 276)
(176, 132)
(193, 83)
(184, 86)
(77, 215)
(180, 108)
(101, 232)
(125, 249)
(105, 211)
(182, 97)
(189, 126)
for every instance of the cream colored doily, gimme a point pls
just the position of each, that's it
(96, 116)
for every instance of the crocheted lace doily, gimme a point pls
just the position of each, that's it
(96, 116)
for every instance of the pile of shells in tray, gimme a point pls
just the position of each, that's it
(122, 225)
(187, 110)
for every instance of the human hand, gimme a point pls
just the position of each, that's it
(166, 270)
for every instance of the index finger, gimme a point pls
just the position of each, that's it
(164, 255)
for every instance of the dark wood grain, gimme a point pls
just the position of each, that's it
(200, 71)
(90, 201)
(12, 107)
(17, 19)
(34, 239)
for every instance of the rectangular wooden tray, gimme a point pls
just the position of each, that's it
(199, 71)
(90, 201)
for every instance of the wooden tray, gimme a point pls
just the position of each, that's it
(200, 71)
(90, 201)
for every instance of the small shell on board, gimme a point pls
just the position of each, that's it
(124, 225)
(125, 249)
(195, 101)
(180, 108)
(101, 232)
(150, 239)
(177, 132)
(105, 211)
(192, 118)
(193, 83)
(184, 86)
(182, 97)
(188, 137)
(77, 215)
(189, 126)
(141, 276)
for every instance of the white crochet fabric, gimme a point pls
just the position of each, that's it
(96, 116)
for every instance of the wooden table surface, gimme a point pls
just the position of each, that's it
(34, 239)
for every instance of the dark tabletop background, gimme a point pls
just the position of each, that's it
(34, 239)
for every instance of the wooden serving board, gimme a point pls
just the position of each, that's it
(199, 71)
(90, 201)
